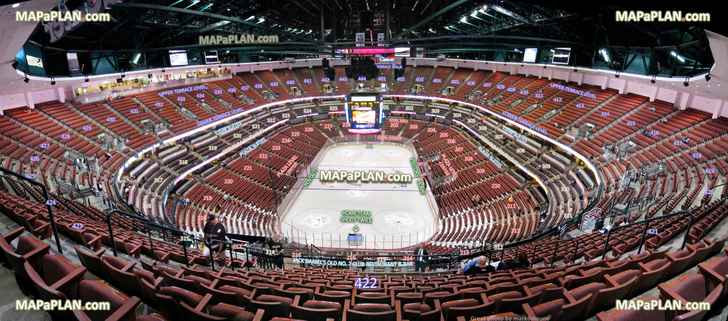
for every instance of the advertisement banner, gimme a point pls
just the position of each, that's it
(34, 59)
(380, 39)
(359, 39)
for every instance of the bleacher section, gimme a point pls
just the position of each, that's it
(169, 291)
(661, 167)
(686, 144)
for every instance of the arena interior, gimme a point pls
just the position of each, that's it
(350, 160)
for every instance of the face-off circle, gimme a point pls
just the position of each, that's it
(397, 219)
(316, 220)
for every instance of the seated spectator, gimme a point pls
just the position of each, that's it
(506, 264)
(521, 261)
(478, 265)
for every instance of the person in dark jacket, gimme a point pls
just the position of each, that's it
(421, 259)
(214, 235)
(522, 261)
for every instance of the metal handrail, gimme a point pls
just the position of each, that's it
(48, 203)
(147, 224)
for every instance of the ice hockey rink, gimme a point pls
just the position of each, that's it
(401, 215)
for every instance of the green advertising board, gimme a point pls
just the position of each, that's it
(356, 216)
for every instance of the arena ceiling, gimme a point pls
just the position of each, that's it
(451, 27)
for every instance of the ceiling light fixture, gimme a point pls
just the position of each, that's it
(604, 54)
(677, 56)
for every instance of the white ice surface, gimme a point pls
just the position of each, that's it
(401, 216)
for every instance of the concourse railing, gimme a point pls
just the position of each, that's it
(236, 249)
(147, 227)
(46, 199)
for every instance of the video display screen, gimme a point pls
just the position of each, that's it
(364, 118)
(363, 111)
(178, 58)
(529, 54)
(561, 56)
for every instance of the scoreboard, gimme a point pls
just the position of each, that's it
(364, 113)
